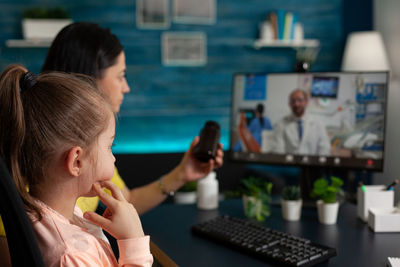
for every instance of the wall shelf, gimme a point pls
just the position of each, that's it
(28, 43)
(286, 43)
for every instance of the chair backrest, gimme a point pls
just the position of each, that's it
(22, 243)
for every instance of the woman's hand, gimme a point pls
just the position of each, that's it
(120, 218)
(192, 169)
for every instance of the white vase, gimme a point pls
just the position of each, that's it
(327, 212)
(45, 29)
(291, 209)
(185, 197)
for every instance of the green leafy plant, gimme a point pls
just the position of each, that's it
(258, 197)
(45, 13)
(188, 187)
(326, 191)
(291, 193)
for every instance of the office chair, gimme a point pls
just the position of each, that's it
(22, 243)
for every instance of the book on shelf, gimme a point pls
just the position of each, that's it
(274, 24)
(283, 24)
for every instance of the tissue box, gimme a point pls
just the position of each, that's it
(375, 196)
(384, 220)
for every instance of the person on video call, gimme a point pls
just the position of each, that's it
(256, 126)
(299, 133)
(259, 123)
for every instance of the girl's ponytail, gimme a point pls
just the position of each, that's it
(12, 125)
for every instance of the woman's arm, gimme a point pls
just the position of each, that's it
(149, 196)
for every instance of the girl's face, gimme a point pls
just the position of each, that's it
(102, 167)
(113, 82)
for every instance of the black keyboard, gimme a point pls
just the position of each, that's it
(267, 244)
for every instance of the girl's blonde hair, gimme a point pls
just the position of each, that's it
(50, 114)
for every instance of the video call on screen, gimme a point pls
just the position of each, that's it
(346, 111)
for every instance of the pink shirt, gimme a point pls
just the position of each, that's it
(66, 244)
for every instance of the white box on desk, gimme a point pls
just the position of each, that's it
(375, 196)
(384, 220)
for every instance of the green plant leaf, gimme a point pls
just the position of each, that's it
(45, 13)
(259, 197)
(188, 187)
(321, 183)
(325, 191)
(291, 193)
(331, 189)
(336, 182)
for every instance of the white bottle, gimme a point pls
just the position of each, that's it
(207, 192)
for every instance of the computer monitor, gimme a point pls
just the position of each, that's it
(343, 124)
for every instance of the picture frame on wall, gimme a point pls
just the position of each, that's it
(184, 49)
(152, 14)
(194, 11)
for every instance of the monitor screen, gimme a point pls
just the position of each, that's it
(327, 119)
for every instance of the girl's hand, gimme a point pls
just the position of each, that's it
(120, 218)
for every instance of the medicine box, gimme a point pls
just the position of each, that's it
(384, 220)
(373, 196)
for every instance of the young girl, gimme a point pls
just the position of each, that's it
(58, 144)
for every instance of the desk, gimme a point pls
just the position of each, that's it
(169, 227)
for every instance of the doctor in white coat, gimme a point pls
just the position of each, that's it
(299, 133)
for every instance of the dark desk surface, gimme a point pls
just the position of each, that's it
(169, 227)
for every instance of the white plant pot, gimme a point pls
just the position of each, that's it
(45, 29)
(327, 212)
(291, 209)
(185, 197)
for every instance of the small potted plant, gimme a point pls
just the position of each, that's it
(291, 203)
(44, 23)
(186, 194)
(256, 194)
(327, 192)
(305, 57)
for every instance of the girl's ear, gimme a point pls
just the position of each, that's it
(74, 161)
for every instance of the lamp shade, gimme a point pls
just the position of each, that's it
(365, 51)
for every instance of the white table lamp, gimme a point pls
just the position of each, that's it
(365, 51)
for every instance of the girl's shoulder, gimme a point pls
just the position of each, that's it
(59, 239)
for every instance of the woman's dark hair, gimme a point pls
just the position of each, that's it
(83, 47)
(41, 118)
(260, 110)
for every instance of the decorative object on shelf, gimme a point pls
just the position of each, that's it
(41, 23)
(304, 58)
(291, 203)
(365, 51)
(256, 195)
(152, 14)
(282, 29)
(186, 194)
(327, 205)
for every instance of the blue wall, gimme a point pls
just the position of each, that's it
(167, 106)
